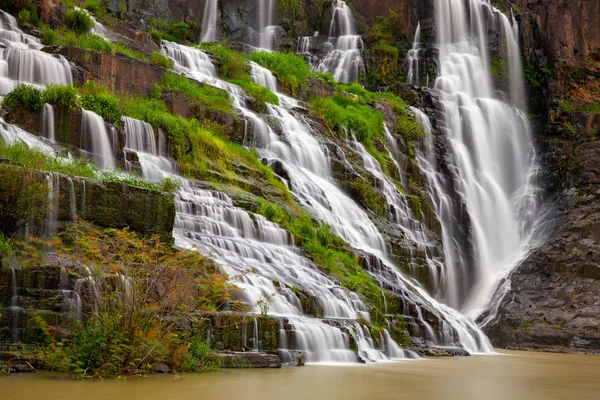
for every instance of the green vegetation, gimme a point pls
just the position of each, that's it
(94, 6)
(105, 104)
(385, 68)
(329, 251)
(79, 21)
(25, 96)
(259, 93)
(23, 197)
(292, 72)
(206, 94)
(159, 59)
(172, 31)
(136, 326)
(232, 64)
(499, 68)
(595, 108)
(566, 105)
(61, 95)
(35, 158)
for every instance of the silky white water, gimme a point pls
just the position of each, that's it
(492, 153)
(266, 14)
(412, 58)
(310, 178)
(209, 22)
(21, 60)
(344, 47)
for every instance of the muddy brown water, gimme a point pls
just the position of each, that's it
(509, 376)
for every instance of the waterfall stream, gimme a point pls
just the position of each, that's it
(266, 14)
(344, 59)
(492, 155)
(209, 22)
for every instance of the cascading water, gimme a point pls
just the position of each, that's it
(21, 60)
(412, 58)
(209, 22)
(152, 153)
(209, 221)
(492, 157)
(344, 48)
(308, 168)
(266, 14)
(95, 140)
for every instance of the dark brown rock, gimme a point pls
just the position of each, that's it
(121, 74)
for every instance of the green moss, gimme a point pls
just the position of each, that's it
(206, 94)
(370, 199)
(499, 68)
(179, 32)
(161, 60)
(291, 71)
(106, 105)
(232, 64)
(259, 93)
(566, 105)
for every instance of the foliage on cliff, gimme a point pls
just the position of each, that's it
(140, 293)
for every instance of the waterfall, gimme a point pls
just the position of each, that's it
(308, 168)
(21, 60)
(151, 153)
(266, 14)
(48, 122)
(209, 22)
(343, 60)
(412, 58)
(16, 311)
(95, 140)
(492, 156)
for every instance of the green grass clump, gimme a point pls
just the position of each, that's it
(232, 64)
(595, 108)
(172, 31)
(291, 71)
(209, 95)
(259, 93)
(32, 157)
(341, 112)
(161, 60)
(61, 95)
(79, 21)
(93, 6)
(25, 96)
(107, 105)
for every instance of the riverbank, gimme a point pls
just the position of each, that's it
(508, 375)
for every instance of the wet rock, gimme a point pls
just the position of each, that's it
(249, 359)
(161, 368)
(298, 359)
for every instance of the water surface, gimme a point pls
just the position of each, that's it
(511, 376)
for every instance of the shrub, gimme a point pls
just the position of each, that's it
(291, 71)
(104, 104)
(79, 21)
(61, 95)
(159, 59)
(259, 93)
(92, 6)
(214, 97)
(169, 184)
(233, 65)
(171, 31)
(25, 96)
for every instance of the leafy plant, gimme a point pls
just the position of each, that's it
(161, 60)
(61, 95)
(25, 96)
(104, 104)
(232, 64)
(79, 21)
(291, 71)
